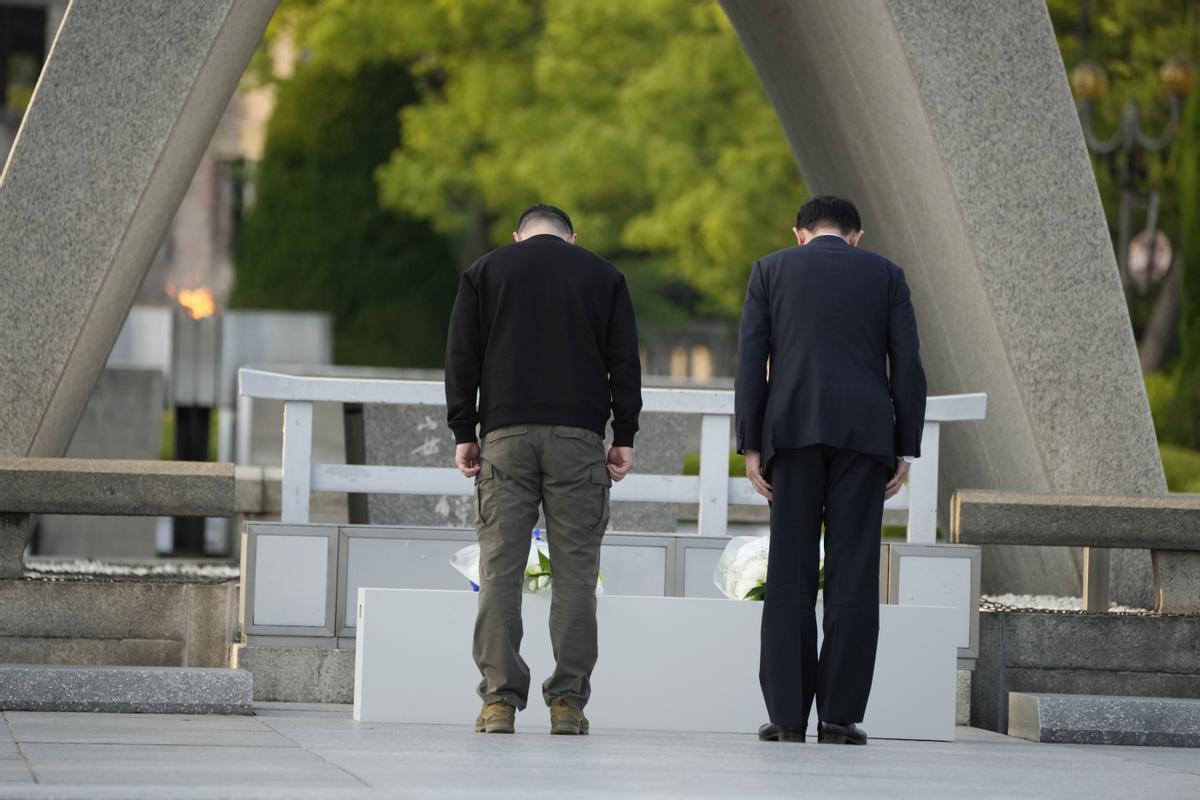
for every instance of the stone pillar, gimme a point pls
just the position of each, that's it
(953, 128)
(125, 107)
(14, 536)
(1177, 581)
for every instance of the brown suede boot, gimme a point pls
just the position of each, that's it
(496, 718)
(565, 720)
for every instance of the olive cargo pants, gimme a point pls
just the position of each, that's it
(563, 469)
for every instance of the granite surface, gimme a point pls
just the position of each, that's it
(14, 537)
(123, 420)
(98, 486)
(1177, 579)
(123, 111)
(1094, 719)
(1169, 522)
(412, 436)
(1081, 653)
(136, 690)
(417, 436)
(115, 621)
(661, 443)
(953, 128)
(290, 751)
(962, 698)
(298, 674)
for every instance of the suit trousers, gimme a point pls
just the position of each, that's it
(842, 490)
(563, 470)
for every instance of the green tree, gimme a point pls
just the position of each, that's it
(1130, 40)
(1183, 420)
(317, 237)
(642, 117)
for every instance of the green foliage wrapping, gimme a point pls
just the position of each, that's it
(317, 237)
(1183, 419)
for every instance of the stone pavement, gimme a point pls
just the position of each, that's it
(291, 751)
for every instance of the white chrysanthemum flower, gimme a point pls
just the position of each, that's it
(743, 587)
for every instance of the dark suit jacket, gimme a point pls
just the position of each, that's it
(837, 325)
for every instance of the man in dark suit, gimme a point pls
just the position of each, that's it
(830, 409)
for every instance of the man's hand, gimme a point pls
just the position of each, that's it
(620, 461)
(893, 486)
(466, 458)
(755, 474)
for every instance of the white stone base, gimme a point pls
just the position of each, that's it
(684, 664)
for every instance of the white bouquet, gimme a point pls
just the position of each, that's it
(538, 572)
(741, 571)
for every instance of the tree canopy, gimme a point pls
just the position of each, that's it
(641, 117)
(317, 238)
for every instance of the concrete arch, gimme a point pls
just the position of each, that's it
(950, 123)
(953, 127)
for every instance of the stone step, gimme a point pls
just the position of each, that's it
(1099, 719)
(135, 690)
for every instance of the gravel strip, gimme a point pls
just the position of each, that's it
(167, 570)
(1048, 602)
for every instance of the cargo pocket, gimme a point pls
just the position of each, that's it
(600, 484)
(571, 432)
(485, 494)
(505, 432)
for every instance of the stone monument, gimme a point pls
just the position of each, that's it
(953, 128)
(126, 104)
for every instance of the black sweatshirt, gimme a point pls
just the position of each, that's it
(545, 332)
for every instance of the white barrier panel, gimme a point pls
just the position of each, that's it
(685, 664)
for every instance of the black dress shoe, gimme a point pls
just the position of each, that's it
(832, 733)
(780, 733)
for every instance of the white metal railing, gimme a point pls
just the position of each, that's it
(713, 490)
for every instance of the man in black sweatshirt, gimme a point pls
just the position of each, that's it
(544, 332)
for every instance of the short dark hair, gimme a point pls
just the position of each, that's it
(544, 212)
(830, 210)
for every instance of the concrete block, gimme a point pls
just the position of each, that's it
(1177, 580)
(125, 107)
(144, 488)
(418, 436)
(95, 537)
(136, 690)
(661, 445)
(14, 538)
(1103, 682)
(1119, 642)
(122, 420)
(74, 650)
(1170, 522)
(211, 610)
(92, 609)
(1091, 719)
(414, 436)
(297, 674)
(962, 698)
(1095, 654)
(172, 623)
(965, 105)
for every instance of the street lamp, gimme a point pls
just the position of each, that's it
(1089, 82)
